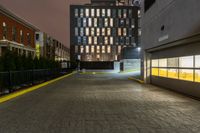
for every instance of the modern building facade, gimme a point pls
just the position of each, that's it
(50, 48)
(100, 32)
(171, 44)
(16, 34)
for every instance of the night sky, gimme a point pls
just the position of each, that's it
(50, 16)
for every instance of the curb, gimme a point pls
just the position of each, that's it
(22, 92)
(137, 80)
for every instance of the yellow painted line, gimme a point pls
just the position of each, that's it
(140, 81)
(22, 92)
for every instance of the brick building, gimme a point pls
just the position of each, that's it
(16, 34)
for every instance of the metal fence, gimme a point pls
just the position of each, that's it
(13, 80)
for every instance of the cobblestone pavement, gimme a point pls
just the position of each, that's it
(100, 104)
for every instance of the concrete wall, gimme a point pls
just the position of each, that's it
(181, 18)
(131, 64)
(164, 22)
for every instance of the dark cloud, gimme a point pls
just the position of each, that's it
(51, 16)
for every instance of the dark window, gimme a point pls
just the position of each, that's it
(14, 33)
(148, 4)
(29, 38)
(37, 37)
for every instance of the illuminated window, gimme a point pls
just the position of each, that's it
(106, 40)
(172, 62)
(119, 32)
(92, 31)
(89, 22)
(92, 13)
(103, 13)
(103, 49)
(76, 49)
(173, 73)
(163, 72)
(95, 40)
(90, 40)
(84, 22)
(124, 31)
(124, 13)
(119, 49)
(197, 61)
(4, 30)
(108, 12)
(162, 62)
(98, 49)
(76, 12)
(87, 31)
(98, 12)
(132, 23)
(108, 49)
(82, 49)
(98, 56)
(98, 32)
(21, 37)
(92, 49)
(154, 63)
(197, 75)
(106, 22)
(87, 12)
(116, 57)
(186, 62)
(87, 49)
(111, 40)
(154, 71)
(81, 13)
(84, 40)
(76, 31)
(139, 32)
(95, 22)
(103, 31)
(186, 74)
(108, 31)
(111, 22)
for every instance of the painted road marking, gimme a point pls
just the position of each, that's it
(140, 81)
(22, 92)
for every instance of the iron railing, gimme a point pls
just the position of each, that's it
(13, 80)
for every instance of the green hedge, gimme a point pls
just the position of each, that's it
(11, 61)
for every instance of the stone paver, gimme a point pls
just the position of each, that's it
(100, 104)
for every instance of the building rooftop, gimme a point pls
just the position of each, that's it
(10, 14)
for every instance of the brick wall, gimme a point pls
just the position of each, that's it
(10, 23)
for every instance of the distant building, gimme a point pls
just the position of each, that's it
(99, 32)
(171, 44)
(50, 48)
(16, 34)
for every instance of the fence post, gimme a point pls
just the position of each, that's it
(32, 76)
(9, 81)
